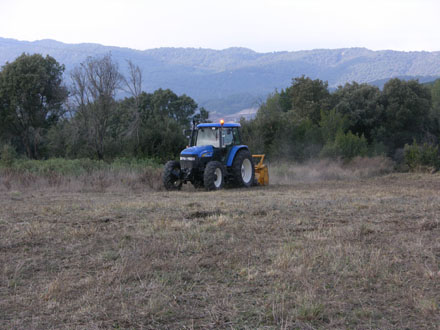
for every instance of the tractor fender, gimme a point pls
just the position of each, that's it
(233, 152)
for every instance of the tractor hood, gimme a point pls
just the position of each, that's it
(199, 151)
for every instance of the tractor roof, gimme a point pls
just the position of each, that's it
(226, 125)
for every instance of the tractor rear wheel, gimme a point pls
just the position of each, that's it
(243, 169)
(214, 176)
(172, 176)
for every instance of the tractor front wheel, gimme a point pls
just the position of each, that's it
(172, 176)
(243, 169)
(214, 176)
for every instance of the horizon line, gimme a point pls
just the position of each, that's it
(216, 49)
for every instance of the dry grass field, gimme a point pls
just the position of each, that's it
(345, 252)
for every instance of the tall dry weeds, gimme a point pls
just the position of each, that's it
(100, 180)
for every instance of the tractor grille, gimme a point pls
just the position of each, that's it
(188, 163)
(192, 162)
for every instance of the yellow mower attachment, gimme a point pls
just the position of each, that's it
(261, 171)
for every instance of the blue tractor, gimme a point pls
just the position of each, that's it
(216, 156)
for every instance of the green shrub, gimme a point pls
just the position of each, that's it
(81, 166)
(411, 155)
(330, 150)
(423, 156)
(345, 146)
(332, 122)
(135, 163)
(8, 155)
(351, 145)
(378, 149)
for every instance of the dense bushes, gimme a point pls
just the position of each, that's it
(422, 157)
(346, 146)
(355, 120)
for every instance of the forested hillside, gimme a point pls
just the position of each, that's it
(233, 79)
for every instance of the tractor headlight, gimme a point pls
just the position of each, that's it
(188, 158)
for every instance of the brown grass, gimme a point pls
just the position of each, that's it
(349, 253)
(328, 169)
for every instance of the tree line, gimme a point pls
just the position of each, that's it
(306, 120)
(42, 117)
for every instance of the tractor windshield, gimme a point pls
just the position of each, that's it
(208, 136)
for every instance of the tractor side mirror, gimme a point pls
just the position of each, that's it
(187, 133)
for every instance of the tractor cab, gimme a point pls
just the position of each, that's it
(217, 135)
(213, 141)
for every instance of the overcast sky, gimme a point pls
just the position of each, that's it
(262, 25)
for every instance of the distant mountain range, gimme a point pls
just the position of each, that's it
(230, 80)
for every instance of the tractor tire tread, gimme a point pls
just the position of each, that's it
(168, 176)
(209, 176)
(236, 168)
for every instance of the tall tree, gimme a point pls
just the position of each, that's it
(270, 124)
(202, 116)
(162, 115)
(95, 83)
(407, 105)
(309, 97)
(435, 91)
(435, 113)
(32, 96)
(167, 103)
(361, 104)
(133, 86)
